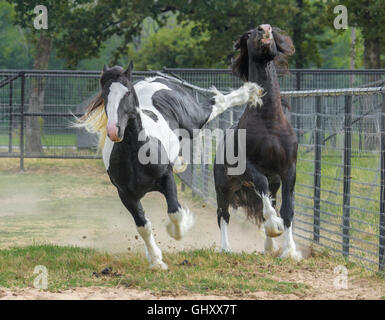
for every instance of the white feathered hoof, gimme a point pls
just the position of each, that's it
(274, 226)
(180, 165)
(255, 94)
(291, 253)
(271, 247)
(158, 265)
(180, 222)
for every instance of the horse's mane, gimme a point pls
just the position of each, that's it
(95, 120)
(285, 49)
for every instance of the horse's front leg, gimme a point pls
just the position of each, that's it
(287, 214)
(273, 223)
(143, 225)
(249, 93)
(181, 219)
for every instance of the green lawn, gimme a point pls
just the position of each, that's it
(49, 140)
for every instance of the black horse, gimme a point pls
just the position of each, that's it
(138, 124)
(271, 144)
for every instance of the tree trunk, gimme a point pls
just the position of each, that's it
(36, 99)
(372, 54)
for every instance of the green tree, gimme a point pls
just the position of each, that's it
(173, 45)
(225, 20)
(77, 30)
(14, 51)
(367, 16)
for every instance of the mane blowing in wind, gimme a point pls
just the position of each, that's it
(95, 120)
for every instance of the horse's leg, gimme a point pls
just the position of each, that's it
(223, 192)
(181, 219)
(287, 214)
(223, 217)
(153, 253)
(270, 245)
(273, 223)
(249, 93)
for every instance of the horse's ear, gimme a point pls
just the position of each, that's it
(105, 68)
(128, 71)
(283, 42)
(240, 65)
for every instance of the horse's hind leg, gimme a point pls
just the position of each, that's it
(223, 217)
(181, 219)
(223, 192)
(287, 213)
(270, 245)
(153, 253)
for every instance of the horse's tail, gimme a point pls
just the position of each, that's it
(94, 120)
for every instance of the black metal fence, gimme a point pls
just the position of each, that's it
(340, 198)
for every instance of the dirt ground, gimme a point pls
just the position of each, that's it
(106, 225)
(321, 282)
(243, 236)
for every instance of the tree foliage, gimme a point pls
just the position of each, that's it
(13, 45)
(227, 19)
(369, 17)
(175, 46)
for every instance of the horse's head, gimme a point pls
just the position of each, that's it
(119, 98)
(263, 44)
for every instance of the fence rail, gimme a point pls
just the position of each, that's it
(340, 189)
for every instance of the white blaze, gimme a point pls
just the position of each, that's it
(117, 92)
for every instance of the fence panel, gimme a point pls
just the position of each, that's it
(339, 194)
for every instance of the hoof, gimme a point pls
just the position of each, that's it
(271, 248)
(291, 253)
(180, 165)
(173, 231)
(255, 94)
(274, 227)
(180, 222)
(159, 265)
(226, 250)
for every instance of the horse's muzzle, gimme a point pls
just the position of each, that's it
(113, 132)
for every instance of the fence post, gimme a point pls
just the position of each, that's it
(10, 124)
(381, 251)
(298, 108)
(347, 177)
(22, 121)
(317, 170)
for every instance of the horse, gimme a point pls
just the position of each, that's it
(271, 145)
(137, 123)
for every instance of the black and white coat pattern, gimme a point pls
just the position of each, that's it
(148, 113)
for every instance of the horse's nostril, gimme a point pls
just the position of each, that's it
(118, 130)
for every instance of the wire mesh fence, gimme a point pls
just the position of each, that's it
(339, 194)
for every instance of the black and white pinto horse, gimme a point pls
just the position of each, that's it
(138, 121)
(271, 145)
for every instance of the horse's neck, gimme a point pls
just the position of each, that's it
(132, 131)
(264, 74)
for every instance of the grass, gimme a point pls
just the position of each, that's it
(51, 192)
(209, 271)
(49, 140)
